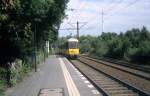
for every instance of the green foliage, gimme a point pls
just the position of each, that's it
(2, 73)
(88, 43)
(132, 45)
(18, 71)
(25, 25)
(2, 88)
(100, 48)
(23, 21)
(141, 53)
(115, 48)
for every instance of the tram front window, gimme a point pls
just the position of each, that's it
(72, 45)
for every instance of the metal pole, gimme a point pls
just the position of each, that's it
(102, 21)
(35, 65)
(77, 29)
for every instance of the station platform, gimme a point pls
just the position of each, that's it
(56, 77)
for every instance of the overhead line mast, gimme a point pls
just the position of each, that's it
(78, 27)
(78, 30)
(102, 20)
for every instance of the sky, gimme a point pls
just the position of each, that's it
(118, 16)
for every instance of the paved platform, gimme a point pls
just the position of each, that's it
(57, 77)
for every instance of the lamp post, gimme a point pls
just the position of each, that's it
(36, 20)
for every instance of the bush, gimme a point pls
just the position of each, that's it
(18, 71)
(133, 45)
(3, 73)
(140, 54)
(2, 87)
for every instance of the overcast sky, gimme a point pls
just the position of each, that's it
(119, 16)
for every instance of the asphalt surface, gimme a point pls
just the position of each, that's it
(46, 77)
(52, 75)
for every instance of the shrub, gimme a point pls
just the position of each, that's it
(2, 87)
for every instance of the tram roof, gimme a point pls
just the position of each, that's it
(73, 39)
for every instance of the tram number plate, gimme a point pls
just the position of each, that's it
(51, 92)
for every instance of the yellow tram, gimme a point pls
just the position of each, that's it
(72, 49)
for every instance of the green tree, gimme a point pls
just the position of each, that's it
(21, 19)
(133, 45)
(25, 22)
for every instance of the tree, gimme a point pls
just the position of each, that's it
(133, 45)
(21, 19)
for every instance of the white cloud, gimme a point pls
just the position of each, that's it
(122, 15)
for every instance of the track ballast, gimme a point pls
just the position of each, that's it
(111, 82)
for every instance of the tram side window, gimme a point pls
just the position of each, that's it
(72, 44)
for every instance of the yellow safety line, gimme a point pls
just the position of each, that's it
(72, 89)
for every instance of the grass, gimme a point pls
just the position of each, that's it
(2, 88)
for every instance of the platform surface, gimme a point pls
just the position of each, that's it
(56, 74)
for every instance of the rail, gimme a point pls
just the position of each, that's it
(124, 83)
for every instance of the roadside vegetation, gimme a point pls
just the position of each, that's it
(131, 46)
(2, 87)
(24, 26)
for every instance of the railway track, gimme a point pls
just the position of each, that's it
(139, 67)
(109, 84)
(137, 71)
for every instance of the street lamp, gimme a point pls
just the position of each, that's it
(35, 44)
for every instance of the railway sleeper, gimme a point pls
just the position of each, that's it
(107, 83)
(134, 94)
(113, 86)
(116, 88)
(120, 91)
(101, 79)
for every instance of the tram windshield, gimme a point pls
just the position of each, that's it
(72, 44)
